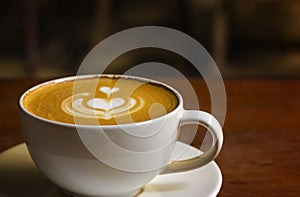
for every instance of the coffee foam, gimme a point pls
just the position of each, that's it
(101, 108)
(105, 101)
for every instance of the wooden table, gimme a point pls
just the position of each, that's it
(261, 152)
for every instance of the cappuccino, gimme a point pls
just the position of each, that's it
(105, 100)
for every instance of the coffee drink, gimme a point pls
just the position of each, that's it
(82, 135)
(106, 100)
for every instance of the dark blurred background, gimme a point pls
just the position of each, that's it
(247, 38)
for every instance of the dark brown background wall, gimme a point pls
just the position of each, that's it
(250, 38)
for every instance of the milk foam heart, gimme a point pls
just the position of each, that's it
(104, 104)
(103, 108)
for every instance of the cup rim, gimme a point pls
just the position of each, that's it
(87, 76)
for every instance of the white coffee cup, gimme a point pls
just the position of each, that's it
(112, 160)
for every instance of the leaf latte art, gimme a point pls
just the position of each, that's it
(95, 100)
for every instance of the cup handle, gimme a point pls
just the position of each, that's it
(208, 121)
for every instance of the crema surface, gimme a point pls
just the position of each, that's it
(104, 101)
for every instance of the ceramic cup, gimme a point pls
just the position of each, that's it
(113, 160)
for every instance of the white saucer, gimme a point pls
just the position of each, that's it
(20, 177)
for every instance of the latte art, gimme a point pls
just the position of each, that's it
(103, 108)
(100, 100)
